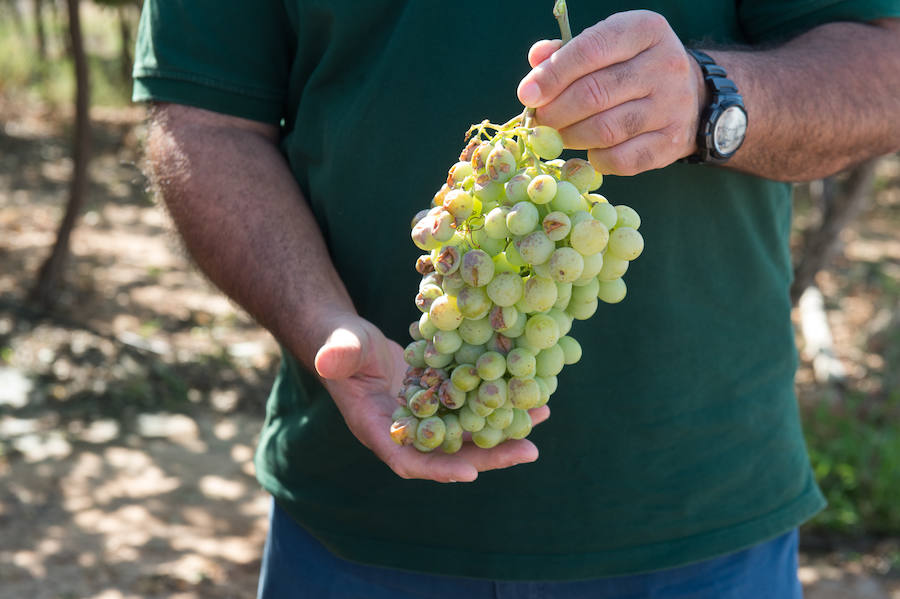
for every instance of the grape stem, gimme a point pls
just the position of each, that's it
(561, 13)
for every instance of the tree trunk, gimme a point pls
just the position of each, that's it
(38, 6)
(840, 205)
(46, 289)
(126, 42)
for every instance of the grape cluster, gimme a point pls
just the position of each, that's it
(518, 247)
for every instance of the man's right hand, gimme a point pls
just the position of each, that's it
(363, 372)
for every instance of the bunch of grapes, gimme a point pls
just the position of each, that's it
(518, 247)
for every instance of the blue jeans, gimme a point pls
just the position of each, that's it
(296, 565)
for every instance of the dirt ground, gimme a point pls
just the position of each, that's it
(128, 416)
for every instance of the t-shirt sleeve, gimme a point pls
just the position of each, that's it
(773, 20)
(229, 56)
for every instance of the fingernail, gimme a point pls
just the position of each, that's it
(530, 93)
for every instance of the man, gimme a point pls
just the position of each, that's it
(292, 142)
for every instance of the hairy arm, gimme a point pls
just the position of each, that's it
(823, 101)
(626, 91)
(246, 224)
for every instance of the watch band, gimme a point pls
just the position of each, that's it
(723, 92)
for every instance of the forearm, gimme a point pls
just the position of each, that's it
(246, 224)
(826, 100)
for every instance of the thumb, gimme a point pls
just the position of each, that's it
(343, 353)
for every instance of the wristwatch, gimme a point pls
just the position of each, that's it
(723, 123)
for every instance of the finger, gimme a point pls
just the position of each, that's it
(342, 354)
(614, 126)
(616, 39)
(538, 415)
(647, 151)
(509, 453)
(596, 92)
(541, 51)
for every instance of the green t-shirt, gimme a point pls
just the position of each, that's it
(676, 438)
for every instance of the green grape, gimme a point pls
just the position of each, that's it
(422, 235)
(434, 358)
(505, 289)
(424, 403)
(426, 297)
(493, 393)
(500, 418)
(486, 190)
(422, 448)
(550, 361)
(522, 218)
(501, 164)
(447, 260)
(535, 247)
(625, 243)
(520, 362)
(597, 182)
(403, 429)
(409, 391)
(518, 327)
(544, 392)
(480, 155)
(606, 213)
(582, 310)
(426, 327)
(612, 292)
(451, 396)
(520, 427)
(414, 354)
(587, 291)
(447, 342)
(424, 264)
(458, 173)
(589, 236)
(571, 349)
(477, 268)
(500, 343)
(593, 264)
(566, 265)
(433, 376)
(542, 189)
(452, 283)
(517, 188)
(568, 199)
(465, 377)
(522, 343)
(490, 365)
(627, 217)
(420, 215)
(473, 302)
(579, 173)
(540, 293)
(502, 264)
(469, 420)
(451, 445)
(613, 268)
(541, 330)
(495, 223)
(444, 312)
(400, 412)
(579, 216)
(524, 393)
(545, 142)
(563, 320)
(430, 432)
(556, 225)
(476, 332)
(468, 353)
(478, 404)
(513, 256)
(488, 437)
(552, 383)
(503, 317)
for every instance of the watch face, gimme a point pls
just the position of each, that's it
(730, 129)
